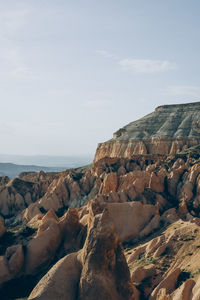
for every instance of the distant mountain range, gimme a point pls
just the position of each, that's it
(12, 165)
(13, 170)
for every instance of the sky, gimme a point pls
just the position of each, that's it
(72, 72)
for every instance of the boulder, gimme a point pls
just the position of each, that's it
(11, 263)
(154, 244)
(41, 249)
(184, 292)
(168, 283)
(140, 273)
(56, 196)
(61, 282)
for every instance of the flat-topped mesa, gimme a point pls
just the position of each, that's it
(170, 128)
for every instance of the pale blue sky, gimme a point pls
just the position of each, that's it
(73, 72)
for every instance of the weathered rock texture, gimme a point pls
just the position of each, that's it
(125, 228)
(168, 129)
(98, 271)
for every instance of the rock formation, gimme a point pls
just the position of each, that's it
(98, 271)
(124, 228)
(170, 128)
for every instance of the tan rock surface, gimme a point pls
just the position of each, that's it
(140, 273)
(130, 218)
(94, 273)
(41, 249)
(11, 263)
(60, 282)
(169, 283)
(105, 274)
(165, 131)
(185, 291)
(110, 183)
(149, 202)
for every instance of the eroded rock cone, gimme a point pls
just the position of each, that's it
(99, 271)
(105, 274)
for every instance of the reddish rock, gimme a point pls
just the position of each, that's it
(41, 249)
(70, 229)
(60, 282)
(154, 244)
(11, 263)
(105, 274)
(136, 253)
(130, 218)
(168, 283)
(140, 180)
(173, 180)
(151, 226)
(195, 290)
(98, 271)
(31, 212)
(15, 258)
(2, 227)
(110, 184)
(56, 196)
(156, 183)
(121, 171)
(140, 273)
(156, 133)
(160, 250)
(184, 292)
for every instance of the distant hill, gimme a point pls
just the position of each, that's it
(12, 170)
(66, 162)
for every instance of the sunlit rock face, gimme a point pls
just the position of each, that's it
(169, 129)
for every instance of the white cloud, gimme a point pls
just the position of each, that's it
(141, 65)
(147, 65)
(106, 54)
(182, 90)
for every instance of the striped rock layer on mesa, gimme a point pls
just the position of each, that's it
(170, 128)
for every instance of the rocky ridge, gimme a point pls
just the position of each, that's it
(170, 128)
(124, 228)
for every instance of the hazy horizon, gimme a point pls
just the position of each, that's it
(47, 160)
(72, 73)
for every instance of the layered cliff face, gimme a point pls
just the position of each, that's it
(170, 128)
(123, 228)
